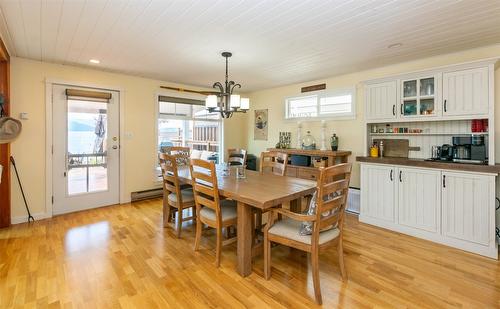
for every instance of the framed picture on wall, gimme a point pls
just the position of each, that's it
(260, 125)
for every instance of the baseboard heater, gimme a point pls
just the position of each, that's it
(146, 194)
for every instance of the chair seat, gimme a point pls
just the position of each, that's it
(289, 228)
(228, 211)
(187, 196)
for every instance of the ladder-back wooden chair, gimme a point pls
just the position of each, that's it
(210, 209)
(273, 162)
(237, 156)
(182, 154)
(174, 196)
(327, 230)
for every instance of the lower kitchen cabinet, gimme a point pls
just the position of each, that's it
(466, 207)
(456, 209)
(419, 198)
(379, 192)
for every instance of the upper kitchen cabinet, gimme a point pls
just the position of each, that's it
(466, 92)
(420, 97)
(381, 101)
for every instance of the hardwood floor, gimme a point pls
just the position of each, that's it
(121, 256)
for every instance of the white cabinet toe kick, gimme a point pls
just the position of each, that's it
(453, 208)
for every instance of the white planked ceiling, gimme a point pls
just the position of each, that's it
(274, 42)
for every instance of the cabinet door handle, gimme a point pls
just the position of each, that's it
(401, 108)
(444, 181)
(394, 109)
(400, 178)
(392, 179)
(445, 106)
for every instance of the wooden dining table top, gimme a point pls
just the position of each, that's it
(258, 190)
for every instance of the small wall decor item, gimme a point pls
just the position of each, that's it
(260, 125)
(285, 140)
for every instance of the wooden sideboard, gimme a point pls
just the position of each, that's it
(311, 172)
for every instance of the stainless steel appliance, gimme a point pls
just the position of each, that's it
(478, 149)
(446, 153)
(469, 149)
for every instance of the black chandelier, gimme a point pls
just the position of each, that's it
(224, 101)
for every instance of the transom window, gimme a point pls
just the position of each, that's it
(334, 104)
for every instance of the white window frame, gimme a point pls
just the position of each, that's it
(323, 94)
(158, 179)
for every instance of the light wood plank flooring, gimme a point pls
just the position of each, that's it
(120, 256)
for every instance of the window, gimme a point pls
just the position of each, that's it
(321, 105)
(186, 122)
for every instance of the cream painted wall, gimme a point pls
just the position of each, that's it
(351, 132)
(28, 95)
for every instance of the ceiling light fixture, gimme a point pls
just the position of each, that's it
(94, 61)
(395, 45)
(225, 102)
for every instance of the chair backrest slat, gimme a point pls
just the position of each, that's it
(182, 154)
(236, 156)
(168, 164)
(332, 191)
(204, 182)
(273, 162)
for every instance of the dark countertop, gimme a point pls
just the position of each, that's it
(491, 169)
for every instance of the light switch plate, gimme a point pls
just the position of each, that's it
(23, 116)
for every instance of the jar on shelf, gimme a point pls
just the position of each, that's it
(308, 142)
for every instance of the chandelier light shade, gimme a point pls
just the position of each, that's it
(245, 103)
(235, 100)
(211, 101)
(224, 101)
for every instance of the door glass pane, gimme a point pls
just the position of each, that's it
(427, 106)
(427, 86)
(410, 88)
(86, 144)
(409, 107)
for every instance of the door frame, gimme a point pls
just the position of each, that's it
(49, 83)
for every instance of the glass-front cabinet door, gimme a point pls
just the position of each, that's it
(418, 97)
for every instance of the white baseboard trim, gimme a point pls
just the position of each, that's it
(24, 219)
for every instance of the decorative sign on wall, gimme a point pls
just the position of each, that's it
(313, 88)
(260, 125)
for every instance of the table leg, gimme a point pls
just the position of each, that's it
(295, 205)
(244, 234)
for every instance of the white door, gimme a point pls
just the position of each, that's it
(86, 144)
(467, 202)
(381, 101)
(419, 195)
(465, 92)
(378, 192)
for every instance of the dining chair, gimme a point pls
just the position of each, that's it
(174, 195)
(210, 208)
(327, 230)
(273, 162)
(182, 154)
(236, 156)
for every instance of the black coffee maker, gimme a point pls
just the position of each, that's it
(469, 149)
(461, 148)
(446, 153)
(478, 149)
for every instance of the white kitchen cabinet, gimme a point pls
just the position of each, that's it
(382, 101)
(466, 92)
(456, 209)
(467, 202)
(420, 97)
(378, 194)
(419, 198)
